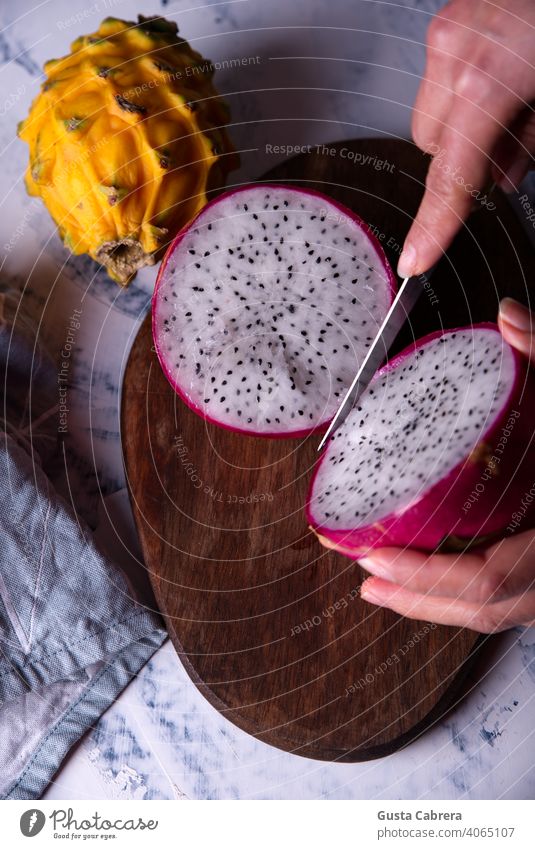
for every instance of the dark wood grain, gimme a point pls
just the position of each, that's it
(269, 625)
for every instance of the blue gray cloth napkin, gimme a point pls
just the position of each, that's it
(71, 633)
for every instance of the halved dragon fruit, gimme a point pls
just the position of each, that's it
(440, 449)
(265, 306)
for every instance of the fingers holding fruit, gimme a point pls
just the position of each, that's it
(488, 591)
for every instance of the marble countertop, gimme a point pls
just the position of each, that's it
(324, 71)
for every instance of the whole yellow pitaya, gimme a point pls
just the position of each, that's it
(126, 138)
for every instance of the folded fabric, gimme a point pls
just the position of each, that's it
(71, 633)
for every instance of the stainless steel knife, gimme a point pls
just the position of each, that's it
(408, 293)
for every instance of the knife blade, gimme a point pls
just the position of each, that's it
(408, 294)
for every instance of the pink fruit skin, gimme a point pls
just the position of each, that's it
(168, 255)
(438, 514)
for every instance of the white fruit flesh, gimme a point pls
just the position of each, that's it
(266, 308)
(412, 427)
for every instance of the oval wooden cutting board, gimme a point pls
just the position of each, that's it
(269, 625)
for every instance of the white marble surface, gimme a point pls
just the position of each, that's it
(328, 69)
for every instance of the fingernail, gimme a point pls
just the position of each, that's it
(367, 593)
(407, 261)
(375, 566)
(516, 314)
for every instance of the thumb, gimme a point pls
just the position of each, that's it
(517, 327)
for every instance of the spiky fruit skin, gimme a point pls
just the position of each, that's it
(126, 138)
(437, 521)
(341, 210)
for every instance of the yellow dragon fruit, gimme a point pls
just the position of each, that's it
(126, 138)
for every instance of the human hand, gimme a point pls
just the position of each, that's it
(485, 591)
(474, 113)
